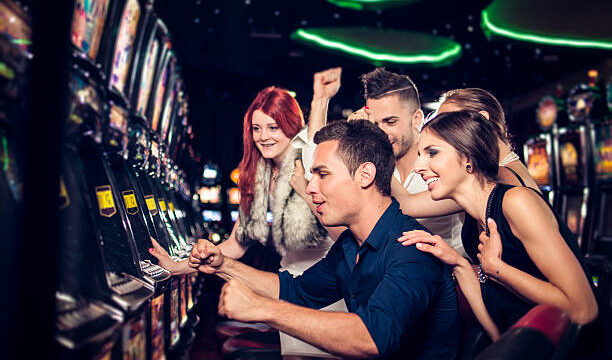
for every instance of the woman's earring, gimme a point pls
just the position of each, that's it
(468, 168)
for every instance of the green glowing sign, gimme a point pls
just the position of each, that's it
(371, 4)
(383, 46)
(491, 23)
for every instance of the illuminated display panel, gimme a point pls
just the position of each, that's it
(233, 196)
(165, 124)
(146, 79)
(157, 328)
(159, 98)
(234, 214)
(15, 28)
(573, 213)
(118, 121)
(125, 45)
(602, 156)
(580, 104)
(538, 162)
(210, 194)
(546, 113)
(572, 169)
(211, 215)
(134, 339)
(174, 314)
(87, 25)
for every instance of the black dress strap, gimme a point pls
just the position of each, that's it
(515, 174)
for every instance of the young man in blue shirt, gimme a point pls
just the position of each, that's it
(401, 301)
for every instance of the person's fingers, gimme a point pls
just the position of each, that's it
(480, 246)
(492, 226)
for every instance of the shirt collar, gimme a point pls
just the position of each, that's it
(377, 236)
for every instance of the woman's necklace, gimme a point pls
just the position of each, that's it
(274, 175)
(512, 156)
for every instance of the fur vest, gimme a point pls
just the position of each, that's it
(294, 226)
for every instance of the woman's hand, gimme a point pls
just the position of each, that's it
(298, 181)
(432, 244)
(490, 250)
(162, 256)
(326, 83)
(358, 115)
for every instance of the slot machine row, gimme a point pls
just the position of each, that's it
(120, 186)
(571, 162)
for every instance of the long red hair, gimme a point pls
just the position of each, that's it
(284, 109)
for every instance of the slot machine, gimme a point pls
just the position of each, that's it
(148, 100)
(210, 194)
(132, 16)
(571, 146)
(233, 195)
(538, 150)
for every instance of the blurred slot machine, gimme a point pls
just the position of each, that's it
(538, 156)
(233, 195)
(15, 57)
(210, 194)
(571, 148)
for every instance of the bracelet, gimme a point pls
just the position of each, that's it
(482, 277)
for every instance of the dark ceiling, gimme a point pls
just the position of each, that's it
(229, 49)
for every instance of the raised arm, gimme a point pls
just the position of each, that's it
(325, 85)
(532, 221)
(421, 205)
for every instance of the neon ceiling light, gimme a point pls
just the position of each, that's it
(443, 56)
(542, 39)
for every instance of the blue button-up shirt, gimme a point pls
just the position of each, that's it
(405, 297)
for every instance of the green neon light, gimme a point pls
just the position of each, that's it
(21, 41)
(353, 50)
(541, 39)
(347, 4)
(6, 158)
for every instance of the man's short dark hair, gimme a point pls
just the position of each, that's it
(380, 83)
(360, 141)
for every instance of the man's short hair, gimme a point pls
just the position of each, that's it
(360, 141)
(380, 83)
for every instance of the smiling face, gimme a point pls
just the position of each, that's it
(440, 165)
(332, 188)
(395, 119)
(269, 139)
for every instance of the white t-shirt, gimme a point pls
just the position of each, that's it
(448, 227)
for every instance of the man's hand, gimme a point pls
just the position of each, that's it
(206, 257)
(240, 303)
(326, 83)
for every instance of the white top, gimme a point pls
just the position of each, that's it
(448, 227)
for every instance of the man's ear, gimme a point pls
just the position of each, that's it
(366, 174)
(417, 120)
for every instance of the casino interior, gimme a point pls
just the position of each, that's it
(133, 110)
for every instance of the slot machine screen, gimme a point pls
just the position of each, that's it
(212, 215)
(546, 113)
(118, 121)
(210, 194)
(571, 169)
(159, 98)
(234, 214)
(134, 339)
(165, 124)
(233, 196)
(210, 174)
(573, 213)
(602, 156)
(15, 28)
(580, 103)
(538, 163)
(125, 44)
(146, 79)
(87, 25)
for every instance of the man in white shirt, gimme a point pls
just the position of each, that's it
(392, 102)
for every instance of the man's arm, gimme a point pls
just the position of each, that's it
(343, 334)
(208, 258)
